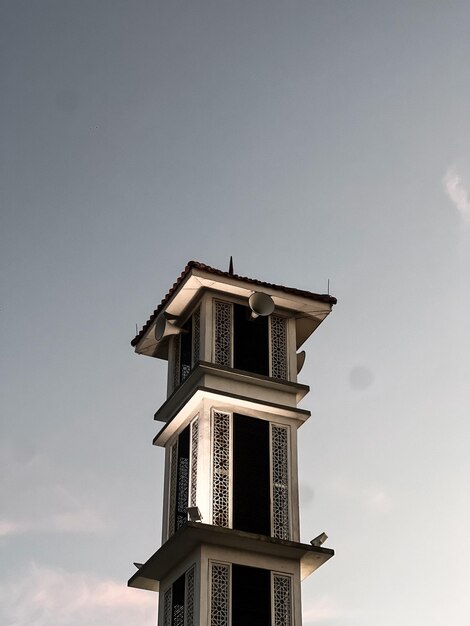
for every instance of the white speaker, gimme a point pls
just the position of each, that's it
(300, 360)
(260, 304)
(165, 326)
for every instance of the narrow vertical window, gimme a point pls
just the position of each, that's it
(179, 483)
(177, 602)
(282, 600)
(251, 596)
(167, 607)
(189, 597)
(220, 595)
(280, 481)
(223, 333)
(221, 469)
(196, 351)
(186, 346)
(251, 475)
(176, 360)
(172, 488)
(183, 479)
(279, 367)
(250, 341)
(194, 454)
(186, 349)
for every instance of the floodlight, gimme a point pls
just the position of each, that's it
(194, 514)
(320, 540)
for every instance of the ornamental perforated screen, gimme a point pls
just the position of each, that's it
(196, 350)
(194, 455)
(279, 347)
(280, 481)
(167, 607)
(172, 488)
(189, 597)
(223, 333)
(182, 492)
(176, 360)
(220, 595)
(221, 469)
(282, 600)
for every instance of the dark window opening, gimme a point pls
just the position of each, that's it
(177, 602)
(251, 479)
(182, 479)
(251, 341)
(251, 596)
(186, 342)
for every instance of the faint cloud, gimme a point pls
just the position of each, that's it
(457, 191)
(54, 597)
(77, 521)
(37, 502)
(377, 500)
(372, 496)
(8, 527)
(322, 610)
(360, 377)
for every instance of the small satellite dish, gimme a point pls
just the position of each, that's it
(260, 304)
(165, 326)
(300, 360)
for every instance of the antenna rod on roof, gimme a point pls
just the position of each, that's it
(230, 266)
(328, 286)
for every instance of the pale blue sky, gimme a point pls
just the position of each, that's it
(310, 140)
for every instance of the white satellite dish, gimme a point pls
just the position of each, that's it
(300, 360)
(261, 304)
(165, 326)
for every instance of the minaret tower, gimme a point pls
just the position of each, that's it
(231, 553)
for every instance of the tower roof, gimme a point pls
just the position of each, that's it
(210, 277)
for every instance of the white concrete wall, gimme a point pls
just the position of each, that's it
(204, 463)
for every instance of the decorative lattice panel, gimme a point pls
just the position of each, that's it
(185, 371)
(189, 597)
(221, 470)
(280, 481)
(177, 360)
(282, 600)
(194, 454)
(279, 367)
(182, 498)
(172, 489)
(178, 615)
(167, 601)
(196, 347)
(223, 333)
(220, 595)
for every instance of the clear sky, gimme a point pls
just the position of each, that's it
(311, 140)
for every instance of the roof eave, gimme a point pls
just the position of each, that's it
(200, 277)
